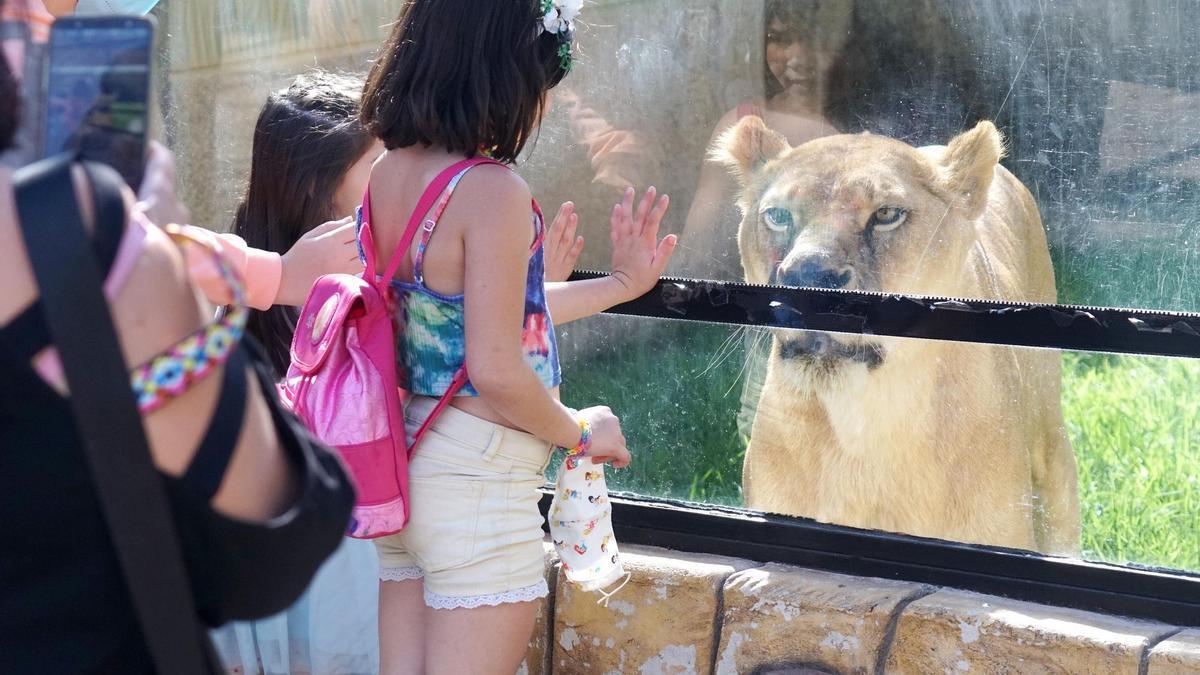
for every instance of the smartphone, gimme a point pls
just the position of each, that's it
(98, 91)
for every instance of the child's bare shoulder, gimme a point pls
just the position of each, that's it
(497, 194)
(498, 185)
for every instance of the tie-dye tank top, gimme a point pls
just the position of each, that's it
(432, 343)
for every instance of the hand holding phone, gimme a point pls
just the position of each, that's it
(98, 91)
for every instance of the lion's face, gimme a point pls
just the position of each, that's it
(856, 212)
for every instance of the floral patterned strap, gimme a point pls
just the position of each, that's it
(430, 223)
(174, 371)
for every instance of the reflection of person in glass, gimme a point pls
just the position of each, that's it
(799, 48)
(801, 41)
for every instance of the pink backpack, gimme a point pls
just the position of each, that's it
(342, 381)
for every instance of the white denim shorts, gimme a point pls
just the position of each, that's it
(475, 531)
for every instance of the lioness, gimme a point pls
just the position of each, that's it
(950, 440)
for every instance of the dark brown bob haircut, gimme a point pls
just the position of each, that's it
(465, 75)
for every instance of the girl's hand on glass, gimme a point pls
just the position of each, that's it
(608, 443)
(329, 248)
(639, 257)
(562, 245)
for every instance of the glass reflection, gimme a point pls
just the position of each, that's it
(1094, 201)
(801, 40)
(1110, 474)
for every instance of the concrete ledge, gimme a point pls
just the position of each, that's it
(687, 613)
(780, 614)
(1177, 655)
(957, 632)
(662, 621)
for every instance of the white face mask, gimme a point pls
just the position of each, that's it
(121, 7)
(581, 527)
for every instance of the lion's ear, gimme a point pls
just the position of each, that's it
(748, 145)
(968, 165)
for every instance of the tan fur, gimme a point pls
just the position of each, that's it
(941, 439)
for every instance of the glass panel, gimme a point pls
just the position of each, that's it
(223, 58)
(949, 440)
(1097, 105)
(1097, 102)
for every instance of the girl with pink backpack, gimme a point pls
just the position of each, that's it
(457, 91)
(310, 163)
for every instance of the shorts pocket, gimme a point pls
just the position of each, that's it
(445, 517)
(448, 456)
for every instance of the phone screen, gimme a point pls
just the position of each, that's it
(98, 87)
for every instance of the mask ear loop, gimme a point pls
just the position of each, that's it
(603, 601)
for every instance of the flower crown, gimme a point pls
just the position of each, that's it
(558, 18)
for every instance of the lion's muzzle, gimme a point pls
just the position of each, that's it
(824, 349)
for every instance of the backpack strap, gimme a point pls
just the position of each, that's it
(428, 198)
(427, 201)
(460, 379)
(430, 223)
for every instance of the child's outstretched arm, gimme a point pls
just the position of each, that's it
(638, 260)
(496, 260)
(272, 279)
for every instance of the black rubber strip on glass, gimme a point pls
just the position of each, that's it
(1094, 329)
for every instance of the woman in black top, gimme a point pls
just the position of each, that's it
(256, 503)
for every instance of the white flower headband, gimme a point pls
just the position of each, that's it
(558, 18)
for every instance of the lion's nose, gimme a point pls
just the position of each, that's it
(816, 272)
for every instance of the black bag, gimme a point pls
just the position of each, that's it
(129, 487)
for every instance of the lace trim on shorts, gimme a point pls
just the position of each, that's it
(527, 594)
(400, 573)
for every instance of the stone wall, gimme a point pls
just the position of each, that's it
(688, 613)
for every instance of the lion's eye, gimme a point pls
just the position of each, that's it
(777, 219)
(888, 218)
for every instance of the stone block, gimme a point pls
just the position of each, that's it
(663, 622)
(1177, 655)
(775, 615)
(959, 632)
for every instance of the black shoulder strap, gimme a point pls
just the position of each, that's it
(108, 202)
(129, 488)
(27, 334)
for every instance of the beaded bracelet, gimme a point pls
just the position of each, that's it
(174, 371)
(585, 441)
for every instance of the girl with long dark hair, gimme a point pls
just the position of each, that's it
(310, 161)
(309, 164)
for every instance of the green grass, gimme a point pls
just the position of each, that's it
(1134, 423)
(677, 391)
(1162, 275)
(1135, 426)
